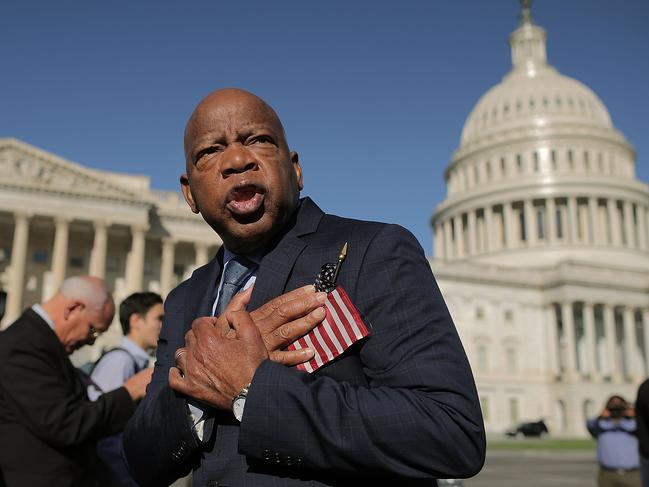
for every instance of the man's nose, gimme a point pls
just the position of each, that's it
(236, 159)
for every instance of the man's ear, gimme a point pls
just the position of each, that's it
(187, 193)
(295, 159)
(71, 307)
(134, 321)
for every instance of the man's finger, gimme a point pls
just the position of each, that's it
(288, 333)
(267, 309)
(290, 311)
(176, 381)
(292, 357)
(242, 324)
(181, 358)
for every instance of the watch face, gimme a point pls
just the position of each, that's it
(237, 407)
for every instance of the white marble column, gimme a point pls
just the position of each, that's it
(589, 337)
(631, 345)
(472, 227)
(489, 228)
(642, 227)
(613, 221)
(97, 266)
(572, 231)
(448, 240)
(59, 252)
(18, 264)
(611, 353)
(569, 339)
(645, 334)
(201, 254)
(629, 228)
(551, 223)
(459, 236)
(552, 343)
(530, 227)
(438, 243)
(510, 235)
(135, 269)
(595, 230)
(167, 266)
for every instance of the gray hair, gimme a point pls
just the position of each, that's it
(92, 291)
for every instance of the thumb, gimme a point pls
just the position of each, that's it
(242, 324)
(240, 300)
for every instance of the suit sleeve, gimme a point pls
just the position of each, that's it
(158, 440)
(419, 416)
(41, 397)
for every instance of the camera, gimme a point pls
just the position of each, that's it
(617, 411)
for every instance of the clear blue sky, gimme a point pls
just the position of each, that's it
(373, 93)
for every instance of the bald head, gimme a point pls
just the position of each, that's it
(81, 309)
(90, 290)
(220, 103)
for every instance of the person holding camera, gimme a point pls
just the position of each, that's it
(617, 444)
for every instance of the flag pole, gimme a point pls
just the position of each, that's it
(341, 259)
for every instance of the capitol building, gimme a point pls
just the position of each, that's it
(60, 219)
(541, 245)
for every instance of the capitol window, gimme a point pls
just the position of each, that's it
(479, 313)
(40, 256)
(540, 223)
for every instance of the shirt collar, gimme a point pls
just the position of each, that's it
(229, 255)
(38, 309)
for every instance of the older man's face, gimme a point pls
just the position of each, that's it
(240, 175)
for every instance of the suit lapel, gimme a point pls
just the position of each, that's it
(276, 266)
(200, 299)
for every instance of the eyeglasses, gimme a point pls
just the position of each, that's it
(93, 332)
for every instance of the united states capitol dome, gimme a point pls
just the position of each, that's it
(541, 174)
(533, 94)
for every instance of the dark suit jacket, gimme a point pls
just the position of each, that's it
(48, 427)
(399, 408)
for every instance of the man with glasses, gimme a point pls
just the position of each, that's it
(48, 425)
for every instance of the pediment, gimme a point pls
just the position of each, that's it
(27, 167)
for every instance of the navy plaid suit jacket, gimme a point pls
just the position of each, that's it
(398, 408)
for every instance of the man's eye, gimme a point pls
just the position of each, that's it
(207, 151)
(262, 139)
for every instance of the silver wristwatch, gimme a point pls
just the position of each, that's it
(239, 402)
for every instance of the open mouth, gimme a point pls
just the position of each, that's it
(245, 200)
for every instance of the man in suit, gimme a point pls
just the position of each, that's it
(397, 408)
(47, 424)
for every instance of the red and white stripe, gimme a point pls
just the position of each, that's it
(341, 328)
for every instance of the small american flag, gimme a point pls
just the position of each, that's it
(341, 327)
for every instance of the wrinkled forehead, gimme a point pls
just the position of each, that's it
(228, 113)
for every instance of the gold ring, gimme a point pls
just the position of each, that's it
(179, 352)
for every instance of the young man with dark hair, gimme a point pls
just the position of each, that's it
(140, 315)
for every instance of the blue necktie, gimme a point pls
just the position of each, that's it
(234, 275)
